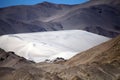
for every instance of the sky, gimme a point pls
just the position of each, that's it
(6, 3)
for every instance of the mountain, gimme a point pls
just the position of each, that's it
(50, 45)
(96, 16)
(101, 62)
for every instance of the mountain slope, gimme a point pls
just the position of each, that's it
(101, 62)
(98, 63)
(97, 16)
(50, 45)
(104, 53)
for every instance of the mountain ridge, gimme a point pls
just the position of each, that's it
(100, 17)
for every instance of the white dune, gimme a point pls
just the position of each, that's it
(50, 45)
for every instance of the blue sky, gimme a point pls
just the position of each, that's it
(6, 3)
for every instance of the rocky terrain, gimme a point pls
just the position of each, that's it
(10, 59)
(97, 16)
(101, 62)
